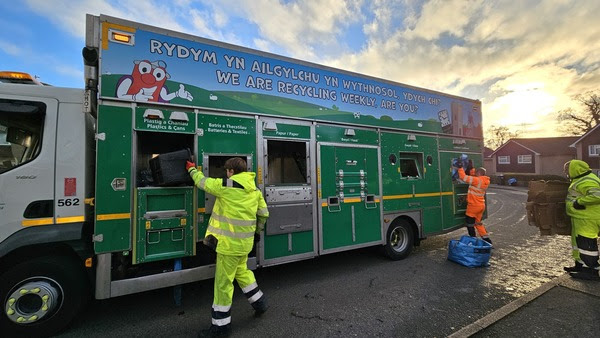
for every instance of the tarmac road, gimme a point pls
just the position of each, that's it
(359, 293)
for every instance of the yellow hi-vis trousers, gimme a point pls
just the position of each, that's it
(229, 268)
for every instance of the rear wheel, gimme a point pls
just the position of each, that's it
(400, 240)
(41, 296)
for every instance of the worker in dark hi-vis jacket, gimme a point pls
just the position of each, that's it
(238, 216)
(478, 183)
(583, 205)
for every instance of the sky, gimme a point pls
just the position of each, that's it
(524, 60)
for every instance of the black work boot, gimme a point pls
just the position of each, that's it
(586, 274)
(260, 306)
(216, 331)
(576, 268)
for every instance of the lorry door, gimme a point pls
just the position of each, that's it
(411, 177)
(112, 226)
(455, 204)
(349, 190)
(288, 190)
(27, 145)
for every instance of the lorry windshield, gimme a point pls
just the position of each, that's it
(20, 132)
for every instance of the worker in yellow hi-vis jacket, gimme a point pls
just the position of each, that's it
(583, 205)
(239, 213)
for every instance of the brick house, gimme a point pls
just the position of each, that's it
(488, 161)
(541, 156)
(588, 147)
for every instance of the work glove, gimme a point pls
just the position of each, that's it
(578, 206)
(189, 165)
(469, 167)
(256, 238)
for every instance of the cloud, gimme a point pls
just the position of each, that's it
(70, 71)
(10, 48)
(491, 50)
(527, 100)
(71, 16)
(209, 24)
(463, 47)
(443, 16)
(299, 28)
(262, 44)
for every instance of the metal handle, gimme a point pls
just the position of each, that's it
(148, 237)
(283, 227)
(333, 201)
(175, 239)
(370, 202)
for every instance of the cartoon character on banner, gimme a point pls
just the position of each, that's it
(147, 83)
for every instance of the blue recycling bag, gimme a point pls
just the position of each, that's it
(464, 159)
(470, 251)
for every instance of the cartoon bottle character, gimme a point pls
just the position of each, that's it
(147, 83)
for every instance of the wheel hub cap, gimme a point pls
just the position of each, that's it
(31, 302)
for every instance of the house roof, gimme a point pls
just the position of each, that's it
(585, 135)
(545, 145)
(487, 152)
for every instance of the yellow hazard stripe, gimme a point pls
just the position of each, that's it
(395, 197)
(351, 200)
(50, 220)
(36, 222)
(109, 217)
(71, 219)
(429, 194)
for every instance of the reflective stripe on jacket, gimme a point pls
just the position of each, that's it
(239, 211)
(477, 187)
(585, 189)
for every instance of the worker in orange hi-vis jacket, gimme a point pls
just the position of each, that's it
(478, 183)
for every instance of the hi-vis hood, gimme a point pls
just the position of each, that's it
(246, 179)
(577, 168)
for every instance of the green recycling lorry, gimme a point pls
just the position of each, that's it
(343, 160)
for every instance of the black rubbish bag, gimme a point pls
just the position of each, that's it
(168, 169)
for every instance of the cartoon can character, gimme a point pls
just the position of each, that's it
(146, 83)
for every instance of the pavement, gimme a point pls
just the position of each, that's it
(563, 307)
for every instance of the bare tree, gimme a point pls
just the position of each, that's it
(579, 121)
(496, 136)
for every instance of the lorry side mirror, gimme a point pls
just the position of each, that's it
(90, 56)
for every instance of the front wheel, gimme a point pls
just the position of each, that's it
(400, 239)
(41, 296)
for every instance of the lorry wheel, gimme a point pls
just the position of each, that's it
(41, 296)
(400, 240)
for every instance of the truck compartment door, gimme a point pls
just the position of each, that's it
(350, 197)
(289, 232)
(112, 231)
